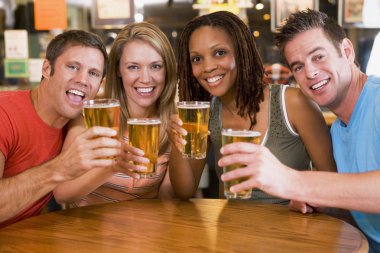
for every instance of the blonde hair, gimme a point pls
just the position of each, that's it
(114, 86)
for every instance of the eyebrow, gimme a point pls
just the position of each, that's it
(217, 45)
(311, 52)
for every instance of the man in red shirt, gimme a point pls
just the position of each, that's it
(33, 126)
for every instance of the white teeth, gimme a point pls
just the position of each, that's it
(76, 92)
(214, 79)
(319, 85)
(144, 90)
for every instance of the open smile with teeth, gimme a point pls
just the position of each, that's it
(144, 90)
(214, 79)
(75, 95)
(319, 84)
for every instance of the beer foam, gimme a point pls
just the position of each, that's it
(194, 106)
(241, 133)
(101, 105)
(143, 121)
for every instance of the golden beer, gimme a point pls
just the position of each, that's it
(230, 136)
(195, 117)
(102, 112)
(145, 135)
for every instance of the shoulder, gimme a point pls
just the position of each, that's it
(14, 103)
(295, 97)
(374, 81)
(299, 107)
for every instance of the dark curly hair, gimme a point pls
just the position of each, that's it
(250, 72)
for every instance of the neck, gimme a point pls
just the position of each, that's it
(345, 109)
(229, 103)
(45, 110)
(150, 112)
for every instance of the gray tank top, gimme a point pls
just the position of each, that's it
(280, 139)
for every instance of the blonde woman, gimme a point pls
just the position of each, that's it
(142, 76)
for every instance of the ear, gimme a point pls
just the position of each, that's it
(46, 69)
(348, 50)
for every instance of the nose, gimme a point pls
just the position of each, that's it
(311, 71)
(81, 77)
(209, 65)
(145, 75)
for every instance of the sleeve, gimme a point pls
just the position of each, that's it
(6, 133)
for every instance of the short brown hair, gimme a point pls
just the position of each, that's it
(74, 38)
(306, 20)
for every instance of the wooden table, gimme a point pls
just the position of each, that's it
(198, 225)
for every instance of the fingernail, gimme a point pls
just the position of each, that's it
(221, 150)
(142, 168)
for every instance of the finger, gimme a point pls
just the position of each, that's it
(131, 149)
(300, 207)
(243, 172)
(103, 142)
(129, 157)
(237, 158)
(100, 153)
(174, 118)
(130, 168)
(239, 147)
(103, 162)
(242, 186)
(97, 131)
(178, 130)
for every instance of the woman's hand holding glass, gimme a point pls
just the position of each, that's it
(125, 162)
(176, 132)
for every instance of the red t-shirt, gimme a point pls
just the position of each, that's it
(25, 141)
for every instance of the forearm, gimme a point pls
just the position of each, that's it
(24, 189)
(166, 190)
(358, 191)
(73, 190)
(184, 178)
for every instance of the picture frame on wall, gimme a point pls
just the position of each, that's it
(112, 14)
(350, 13)
(281, 9)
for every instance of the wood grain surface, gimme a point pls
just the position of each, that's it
(198, 225)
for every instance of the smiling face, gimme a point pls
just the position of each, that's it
(142, 71)
(77, 76)
(323, 73)
(213, 60)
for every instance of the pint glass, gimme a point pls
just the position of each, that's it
(102, 112)
(195, 117)
(230, 136)
(145, 135)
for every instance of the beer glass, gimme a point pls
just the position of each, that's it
(195, 117)
(145, 135)
(102, 112)
(230, 136)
